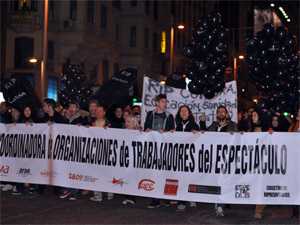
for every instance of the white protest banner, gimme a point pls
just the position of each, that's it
(197, 103)
(254, 168)
(24, 153)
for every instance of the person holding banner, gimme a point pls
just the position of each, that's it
(28, 118)
(89, 119)
(74, 118)
(51, 116)
(258, 124)
(131, 123)
(14, 117)
(221, 125)
(162, 121)
(101, 121)
(185, 121)
(295, 128)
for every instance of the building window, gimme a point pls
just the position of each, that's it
(146, 37)
(93, 73)
(117, 32)
(116, 68)
(90, 11)
(155, 42)
(34, 5)
(132, 36)
(73, 9)
(23, 51)
(147, 7)
(51, 9)
(52, 88)
(105, 71)
(103, 17)
(173, 8)
(116, 4)
(14, 5)
(50, 49)
(155, 11)
(133, 3)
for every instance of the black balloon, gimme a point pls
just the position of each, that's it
(262, 44)
(202, 67)
(208, 92)
(280, 74)
(199, 33)
(289, 42)
(223, 35)
(211, 37)
(251, 44)
(189, 50)
(266, 78)
(191, 73)
(276, 85)
(280, 59)
(268, 30)
(193, 89)
(214, 19)
(273, 46)
(203, 48)
(262, 104)
(219, 86)
(220, 71)
(251, 58)
(281, 33)
(223, 60)
(199, 83)
(203, 22)
(219, 49)
(214, 64)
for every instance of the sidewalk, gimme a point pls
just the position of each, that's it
(37, 209)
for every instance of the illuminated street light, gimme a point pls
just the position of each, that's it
(255, 100)
(272, 4)
(172, 43)
(163, 82)
(33, 60)
(241, 57)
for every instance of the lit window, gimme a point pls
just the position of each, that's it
(52, 88)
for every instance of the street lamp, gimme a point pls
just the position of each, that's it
(241, 57)
(172, 43)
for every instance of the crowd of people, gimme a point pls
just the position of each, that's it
(251, 120)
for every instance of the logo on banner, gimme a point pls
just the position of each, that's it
(4, 170)
(242, 191)
(204, 189)
(146, 184)
(46, 173)
(118, 182)
(171, 187)
(81, 177)
(24, 172)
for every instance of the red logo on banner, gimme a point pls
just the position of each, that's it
(146, 184)
(74, 176)
(171, 187)
(4, 169)
(116, 181)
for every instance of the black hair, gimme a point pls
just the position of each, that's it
(50, 102)
(178, 119)
(221, 106)
(160, 97)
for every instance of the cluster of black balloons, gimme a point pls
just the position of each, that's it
(208, 51)
(74, 86)
(275, 67)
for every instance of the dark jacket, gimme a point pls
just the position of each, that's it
(189, 126)
(57, 118)
(231, 126)
(169, 120)
(77, 120)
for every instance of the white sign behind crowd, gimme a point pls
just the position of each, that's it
(254, 168)
(197, 103)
